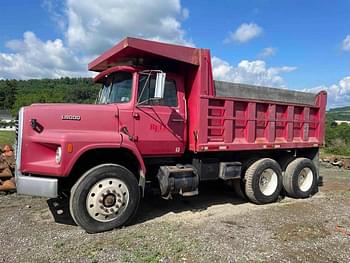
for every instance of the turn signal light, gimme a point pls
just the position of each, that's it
(69, 148)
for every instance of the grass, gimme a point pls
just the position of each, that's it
(7, 137)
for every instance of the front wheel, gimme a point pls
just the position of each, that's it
(104, 198)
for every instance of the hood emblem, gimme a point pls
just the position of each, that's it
(71, 117)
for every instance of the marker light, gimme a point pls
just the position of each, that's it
(69, 148)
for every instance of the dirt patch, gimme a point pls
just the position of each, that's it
(335, 179)
(300, 231)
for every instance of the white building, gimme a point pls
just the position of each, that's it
(341, 122)
(5, 116)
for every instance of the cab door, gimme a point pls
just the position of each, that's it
(160, 125)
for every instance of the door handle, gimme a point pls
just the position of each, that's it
(177, 120)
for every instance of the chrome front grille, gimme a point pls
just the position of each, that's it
(19, 131)
(16, 127)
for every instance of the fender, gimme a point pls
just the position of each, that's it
(123, 142)
(45, 144)
(85, 145)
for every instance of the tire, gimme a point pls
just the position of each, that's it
(300, 178)
(263, 181)
(105, 197)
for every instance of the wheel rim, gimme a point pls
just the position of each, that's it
(268, 182)
(305, 179)
(107, 199)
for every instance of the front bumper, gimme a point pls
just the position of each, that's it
(36, 186)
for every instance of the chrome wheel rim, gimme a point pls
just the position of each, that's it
(107, 199)
(268, 182)
(305, 179)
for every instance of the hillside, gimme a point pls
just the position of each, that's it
(338, 136)
(341, 114)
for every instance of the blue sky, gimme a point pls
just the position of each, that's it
(307, 34)
(305, 42)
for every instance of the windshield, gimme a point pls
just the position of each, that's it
(116, 88)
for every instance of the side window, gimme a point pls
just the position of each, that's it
(170, 94)
(146, 92)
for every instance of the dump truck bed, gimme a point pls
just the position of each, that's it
(246, 117)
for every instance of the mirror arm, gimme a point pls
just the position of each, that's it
(144, 86)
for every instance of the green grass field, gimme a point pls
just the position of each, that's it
(7, 137)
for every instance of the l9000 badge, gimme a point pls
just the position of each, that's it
(71, 117)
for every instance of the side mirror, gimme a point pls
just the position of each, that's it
(160, 83)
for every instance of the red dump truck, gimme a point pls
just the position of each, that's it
(161, 118)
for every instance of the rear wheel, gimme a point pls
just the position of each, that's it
(104, 198)
(263, 181)
(300, 179)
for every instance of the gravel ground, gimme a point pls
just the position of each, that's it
(212, 227)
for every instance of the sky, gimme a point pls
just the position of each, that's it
(295, 44)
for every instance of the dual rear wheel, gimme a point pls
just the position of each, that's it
(300, 178)
(263, 180)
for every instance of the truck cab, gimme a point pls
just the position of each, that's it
(152, 115)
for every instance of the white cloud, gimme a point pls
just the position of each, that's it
(89, 27)
(346, 43)
(338, 94)
(244, 33)
(92, 29)
(33, 58)
(267, 52)
(250, 72)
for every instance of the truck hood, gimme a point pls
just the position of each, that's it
(73, 117)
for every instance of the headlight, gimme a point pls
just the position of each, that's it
(58, 155)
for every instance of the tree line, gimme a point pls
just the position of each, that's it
(17, 93)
